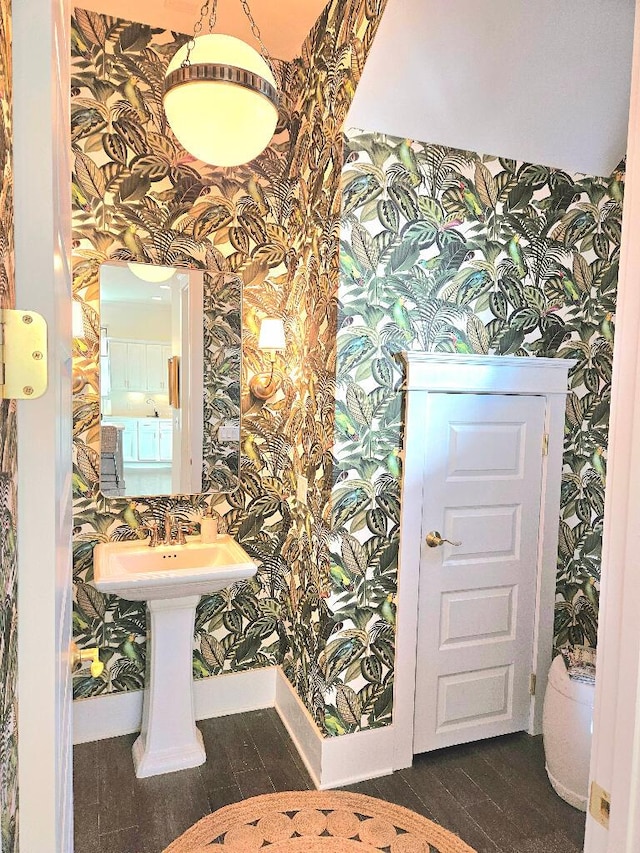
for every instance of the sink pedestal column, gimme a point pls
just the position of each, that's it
(169, 739)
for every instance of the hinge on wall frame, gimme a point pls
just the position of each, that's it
(23, 355)
(532, 684)
(545, 444)
(599, 804)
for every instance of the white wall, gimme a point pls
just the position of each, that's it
(136, 321)
(545, 82)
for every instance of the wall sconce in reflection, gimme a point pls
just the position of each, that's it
(174, 381)
(271, 339)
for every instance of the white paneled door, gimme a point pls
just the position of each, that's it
(477, 599)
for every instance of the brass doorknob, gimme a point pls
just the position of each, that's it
(434, 540)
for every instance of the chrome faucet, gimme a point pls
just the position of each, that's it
(152, 403)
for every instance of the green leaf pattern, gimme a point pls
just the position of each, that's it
(438, 250)
(447, 250)
(271, 227)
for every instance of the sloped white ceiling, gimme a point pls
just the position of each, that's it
(545, 81)
(284, 24)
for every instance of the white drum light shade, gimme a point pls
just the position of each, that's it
(224, 122)
(271, 338)
(271, 335)
(148, 272)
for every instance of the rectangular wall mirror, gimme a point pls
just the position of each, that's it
(170, 370)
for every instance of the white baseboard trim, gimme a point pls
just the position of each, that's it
(352, 758)
(235, 692)
(334, 761)
(113, 715)
(331, 762)
(299, 723)
(101, 717)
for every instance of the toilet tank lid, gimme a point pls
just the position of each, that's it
(579, 691)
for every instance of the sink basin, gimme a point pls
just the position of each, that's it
(171, 579)
(136, 572)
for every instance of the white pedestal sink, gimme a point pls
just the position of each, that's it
(171, 579)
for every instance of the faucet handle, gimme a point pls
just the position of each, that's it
(152, 527)
(169, 526)
(184, 528)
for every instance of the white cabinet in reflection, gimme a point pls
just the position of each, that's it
(127, 365)
(117, 360)
(148, 441)
(130, 440)
(145, 439)
(157, 357)
(166, 441)
(138, 366)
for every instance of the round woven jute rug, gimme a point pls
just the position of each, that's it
(316, 822)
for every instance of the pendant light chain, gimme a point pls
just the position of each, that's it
(197, 28)
(256, 34)
(230, 116)
(212, 16)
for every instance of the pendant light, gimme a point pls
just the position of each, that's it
(220, 95)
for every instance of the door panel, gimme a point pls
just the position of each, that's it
(481, 450)
(468, 697)
(477, 600)
(477, 616)
(488, 534)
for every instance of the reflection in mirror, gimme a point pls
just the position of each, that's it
(170, 366)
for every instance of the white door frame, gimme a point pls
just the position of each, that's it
(442, 373)
(615, 755)
(616, 745)
(43, 283)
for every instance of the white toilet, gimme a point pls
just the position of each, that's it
(567, 724)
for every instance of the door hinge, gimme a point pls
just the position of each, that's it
(545, 444)
(23, 355)
(532, 684)
(599, 804)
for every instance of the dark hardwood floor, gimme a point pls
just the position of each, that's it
(494, 794)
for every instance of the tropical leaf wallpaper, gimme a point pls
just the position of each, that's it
(451, 251)
(221, 376)
(8, 473)
(438, 249)
(274, 225)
